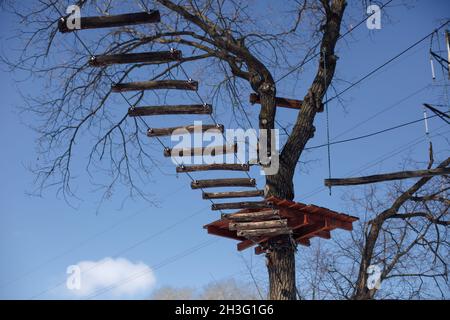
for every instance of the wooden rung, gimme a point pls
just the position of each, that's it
(280, 102)
(112, 21)
(143, 57)
(387, 177)
(281, 223)
(155, 85)
(233, 194)
(170, 109)
(252, 216)
(263, 232)
(190, 152)
(157, 132)
(213, 183)
(214, 166)
(239, 205)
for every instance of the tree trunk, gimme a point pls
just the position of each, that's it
(362, 292)
(281, 260)
(281, 269)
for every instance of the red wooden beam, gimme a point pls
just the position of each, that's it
(223, 233)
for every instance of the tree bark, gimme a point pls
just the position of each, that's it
(281, 269)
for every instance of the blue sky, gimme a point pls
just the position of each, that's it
(41, 236)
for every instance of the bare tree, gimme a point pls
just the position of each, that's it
(228, 289)
(403, 235)
(242, 48)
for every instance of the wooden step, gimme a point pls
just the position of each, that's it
(214, 166)
(143, 57)
(267, 214)
(280, 223)
(157, 132)
(155, 85)
(213, 183)
(111, 21)
(170, 109)
(263, 232)
(233, 194)
(190, 152)
(239, 205)
(280, 102)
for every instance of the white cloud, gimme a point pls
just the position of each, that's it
(117, 277)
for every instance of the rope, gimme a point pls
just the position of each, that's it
(327, 115)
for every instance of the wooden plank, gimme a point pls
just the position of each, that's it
(112, 21)
(280, 102)
(258, 224)
(239, 205)
(252, 216)
(324, 234)
(155, 85)
(157, 132)
(293, 223)
(232, 182)
(386, 177)
(214, 166)
(310, 231)
(263, 232)
(170, 109)
(233, 194)
(156, 57)
(210, 150)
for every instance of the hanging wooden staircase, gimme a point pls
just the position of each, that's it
(257, 222)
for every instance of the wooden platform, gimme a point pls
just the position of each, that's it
(304, 222)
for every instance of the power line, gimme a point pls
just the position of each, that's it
(370, 134)
(160, 265)
(387, 62)
(128, 248)
(393, 105)
(81, 243)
